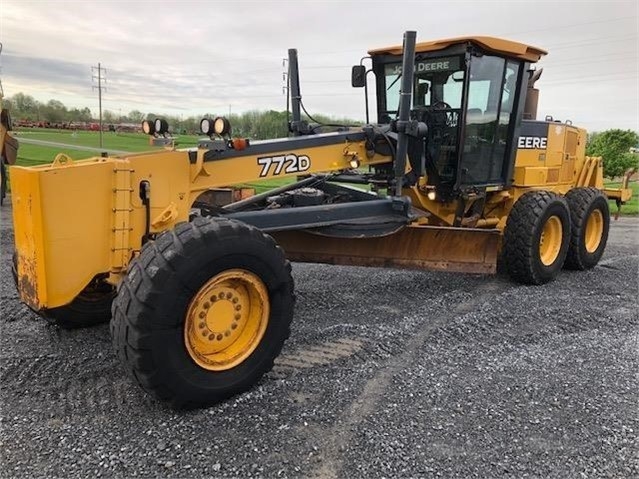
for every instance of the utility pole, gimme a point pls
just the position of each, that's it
(100, 76)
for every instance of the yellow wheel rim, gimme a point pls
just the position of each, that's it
(594, 231)
(226, 320)
(550, 241)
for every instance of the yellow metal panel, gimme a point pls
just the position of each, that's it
(531, 176)
(530, 157)
(497, 45)
(27, 221)
(567, 172)
(62, 217)
(582, 139)
(556, 142)
(572, 140)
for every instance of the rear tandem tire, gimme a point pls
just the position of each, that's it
(203, 311)
(536, 237)
(590, 222)
(90, 308)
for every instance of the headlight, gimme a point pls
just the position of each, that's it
(205, 126)
(161, 126)
(148, 128)
(221, 126)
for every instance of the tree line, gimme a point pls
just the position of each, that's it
(258, 125)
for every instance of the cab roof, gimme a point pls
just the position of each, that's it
(493, 44)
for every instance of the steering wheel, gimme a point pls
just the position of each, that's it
(444, 114)
(440, 105)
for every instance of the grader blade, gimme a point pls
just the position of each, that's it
(436, 248)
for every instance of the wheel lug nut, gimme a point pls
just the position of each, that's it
(202, 325)
(229, 295)
(235, 300)
(211, 337)
(202, 314)
(213, 299)
(221, 295)
(219, 337)
(227, 333)
(237, 316)
(234, 326)
(206, 305)
(238, 307)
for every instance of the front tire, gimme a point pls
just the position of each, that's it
(203, 311)
(536, 237)
(590, 222)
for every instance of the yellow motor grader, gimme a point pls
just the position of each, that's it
(456, 174)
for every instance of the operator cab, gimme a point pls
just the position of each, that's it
(470, 92)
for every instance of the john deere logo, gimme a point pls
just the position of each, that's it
(532, 142)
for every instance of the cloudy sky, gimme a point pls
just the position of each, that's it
(196, 57)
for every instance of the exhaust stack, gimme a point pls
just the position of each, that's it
(532, 95)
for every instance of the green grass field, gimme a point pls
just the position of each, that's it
(30, 155)
(113, 141)
(33, 155)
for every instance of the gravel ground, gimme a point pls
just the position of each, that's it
(386, 374)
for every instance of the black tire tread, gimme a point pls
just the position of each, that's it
(579, 201)
(519, 250)
(132, 318)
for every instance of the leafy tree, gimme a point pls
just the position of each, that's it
(109, 116)
(25, 106)
(135, 116)
(76, 114)
(614, 147)
(9, 104)
(54, 111)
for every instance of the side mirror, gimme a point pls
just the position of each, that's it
(358, 76)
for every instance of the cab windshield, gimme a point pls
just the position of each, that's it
(437, 81)
(480, 156)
